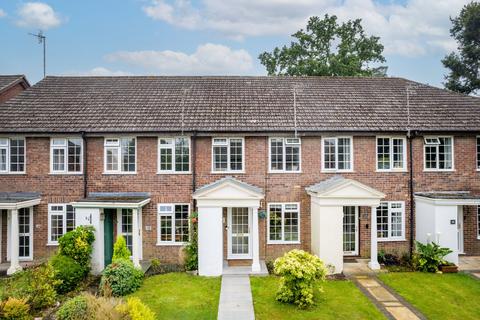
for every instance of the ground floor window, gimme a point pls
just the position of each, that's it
(61, 219)
(391, 220)
(478, 222)
(126, 227)
(173, 223)
(24, 233)
(283, 222)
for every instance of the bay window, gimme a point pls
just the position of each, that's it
(61, 219)
(438, 153)
(391, 154)
(337, 154)
(283, 223)
(285, 154)
(174, 155)
(120, 155)
(173, 223)
(227, 154)
(66, 155)
(12, 155)
(391, 221)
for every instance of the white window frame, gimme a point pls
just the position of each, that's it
(284, 152)
(172, 147)
(390, 237)
(64, 146)
(404, 155)
(283, 204)
(478, 222)
(63, 213)
(172, 215)
(30, 235)
(108, 143)
(227, 144)
(336, 154)
(478, 154)
(432, 142)
(7, 147)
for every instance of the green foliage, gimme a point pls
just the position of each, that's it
(191, 250)
(120, 249)
(68, 272)
(15, 309)
(327, 48)
(120, 278)
(136, 310)
(74, 309)
(464, 66)
(300, 274)
(428, 257)
(77, 244)
(388, 259)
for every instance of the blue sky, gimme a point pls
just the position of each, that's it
(208, 37)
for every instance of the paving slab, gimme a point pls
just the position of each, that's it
(236, 301)
(402, 313)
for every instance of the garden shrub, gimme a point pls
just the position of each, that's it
(77, 244)
(429, 257)
(136, 310)
(68, 272)
(191, 250)
(388, 259)
(15, 309)
(74, 309)
(120, 249)
(300, 274)
(120, 278)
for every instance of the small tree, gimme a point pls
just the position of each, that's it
(120, 249)
(300, 274)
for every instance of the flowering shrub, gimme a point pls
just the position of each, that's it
(15, 309)
(77, 244)
(300, 274)
(120, 249)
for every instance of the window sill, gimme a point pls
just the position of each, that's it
(66, 173)
(171, 244)
(337, 171)
(283, 242)
(174, 172)
(13, 173)
(285, 172)
(227, 172)
(119, 173)
(390, 239)
(439, 170)
(52, 244)
(392, 171)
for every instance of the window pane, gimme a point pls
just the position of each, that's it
(275, 219)
(396, 220)
(382, 220)
(292, 158)
(329, 153)
(181, 223)
(127, 227)
(3, 159)
(445, 153)
(128, 154)
(56, 223)
(344, 154)
(383, 153)
(24, 232)
(166, 228)
(236, 154)
(59, 159)
(478, 153)
(112, 159)
(74, 155)
(398, 153)
(165, 159)
(276, 154)
(291, 225)
(17, 155)
(182, 156)
(220, 158)
(431, 157)
(70, 218)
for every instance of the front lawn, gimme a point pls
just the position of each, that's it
(438, 296)
(181, 296)
(340, 300)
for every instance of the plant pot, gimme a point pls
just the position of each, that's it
(449, 269)
(193, 272)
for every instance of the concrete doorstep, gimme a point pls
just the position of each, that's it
(236, 301)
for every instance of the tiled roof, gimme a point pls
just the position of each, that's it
(229, 104)
(16, 197)
(6, 81)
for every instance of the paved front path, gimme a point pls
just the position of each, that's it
(236, 298)
(387, 301)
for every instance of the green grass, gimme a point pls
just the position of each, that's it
(181, 296)
(340, 300)
(438, 296)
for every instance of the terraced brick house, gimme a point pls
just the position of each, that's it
(335, 166)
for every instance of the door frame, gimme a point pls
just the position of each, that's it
(230, 255)
(355, 252)
(460, 231)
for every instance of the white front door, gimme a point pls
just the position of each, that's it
(460, 229)
(239, 237)
(350, 231)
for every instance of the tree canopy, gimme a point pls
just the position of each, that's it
(327, 48)
(464, 65)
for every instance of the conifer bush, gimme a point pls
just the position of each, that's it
(120, 249)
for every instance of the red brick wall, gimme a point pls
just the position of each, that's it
(278, 187)
(12, 92)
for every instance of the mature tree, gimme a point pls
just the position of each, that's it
(327, 48)
(464, 65)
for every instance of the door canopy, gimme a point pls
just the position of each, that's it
(228, 192)
(338, 191)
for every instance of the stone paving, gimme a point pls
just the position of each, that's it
(236, 301)
(469, 263)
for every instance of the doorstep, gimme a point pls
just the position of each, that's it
(244, 270)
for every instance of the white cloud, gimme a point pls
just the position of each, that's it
(101, 71)
(38, 15)
(208, 59)
(2, 13)
(411, 29)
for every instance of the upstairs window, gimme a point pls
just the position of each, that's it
(61, 219)
(438, 153)
(227, 154)
(391, 221)
(391, 154)
(337, 154)
(283, 222)
(174, 155)
(478, 153)
(173, 223)
(285, 154)
(66, 155)
(120, 155)
(12, 155)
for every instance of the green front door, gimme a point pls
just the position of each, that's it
(108, 234)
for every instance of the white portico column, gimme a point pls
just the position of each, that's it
(373, 264)
(135, 238)
(255, 242)
(14, 264)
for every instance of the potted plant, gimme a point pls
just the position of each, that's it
(448, 267)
